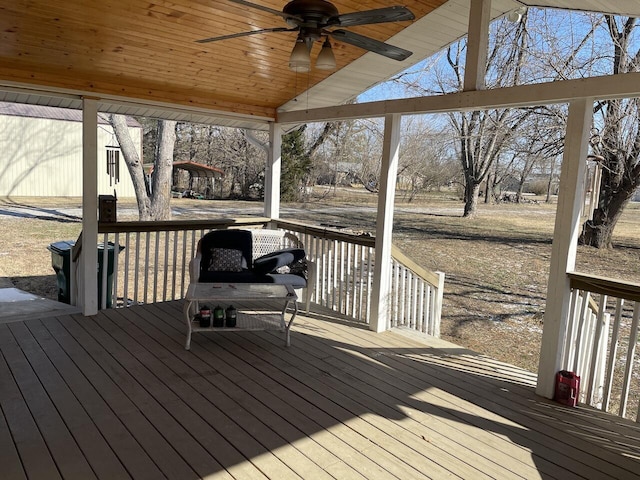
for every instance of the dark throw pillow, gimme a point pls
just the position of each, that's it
(225, 260)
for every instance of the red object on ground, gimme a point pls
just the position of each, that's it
(567, 388)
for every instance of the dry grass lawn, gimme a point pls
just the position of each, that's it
(496, 264)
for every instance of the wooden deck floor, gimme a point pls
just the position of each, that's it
(117, 396)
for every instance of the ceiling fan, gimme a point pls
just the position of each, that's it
(315, 19)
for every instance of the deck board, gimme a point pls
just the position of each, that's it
(60, 442)
(95, 448)
(374, 462)
(120, 437)
(243, 405)
(545, 420)
(29, 444)
(117, 396)
(364, 392)
(438, 432)
(206, 400)
(347, 449)
(490, 404)
(143, 422)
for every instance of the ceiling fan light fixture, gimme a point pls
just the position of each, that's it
(300, 60)
(326, 59)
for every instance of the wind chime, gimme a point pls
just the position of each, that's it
(113, 162)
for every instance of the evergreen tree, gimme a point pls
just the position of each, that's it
(296, 165)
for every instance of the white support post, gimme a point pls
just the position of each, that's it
(88, 280)
(565, 241)
(272, 173)
(477, 45)
(381, 295)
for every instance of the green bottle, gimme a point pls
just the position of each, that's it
(218, 316)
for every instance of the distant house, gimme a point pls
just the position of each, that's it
(41, 153)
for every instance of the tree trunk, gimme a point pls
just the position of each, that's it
(598, 232)
(471, 193)
(550, 182)
(134, 165)
(520, 192)
(163, 168)
(488, 191)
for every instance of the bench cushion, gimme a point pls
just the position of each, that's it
(270, 262)
(296, 281)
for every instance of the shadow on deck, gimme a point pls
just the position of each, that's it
(117, 396)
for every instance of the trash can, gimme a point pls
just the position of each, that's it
(61, 263)
(110, 267)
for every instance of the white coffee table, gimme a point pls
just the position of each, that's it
(259, 306)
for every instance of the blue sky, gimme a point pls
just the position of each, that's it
(560, 33)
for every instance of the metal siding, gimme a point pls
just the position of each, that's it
(38, 157)
(43, 157)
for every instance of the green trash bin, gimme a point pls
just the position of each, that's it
(110, 266)
(61, 263)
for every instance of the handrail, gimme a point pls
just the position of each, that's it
(365, 240)
(178, 225)
(605, 286)
(431, 277)
(345, 272)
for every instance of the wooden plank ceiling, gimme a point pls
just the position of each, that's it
(147, 50)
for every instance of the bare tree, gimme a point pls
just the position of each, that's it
(348, 152)
(425, 163)
(620, 140)
(546, 45)
(482, 136)
(153, 200)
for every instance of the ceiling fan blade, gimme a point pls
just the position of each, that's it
(245, 34)
(266, 9)
(379, 15)
(375, 46)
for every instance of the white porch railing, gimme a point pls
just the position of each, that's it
(153, 267)
(344, 280)
(416, 295)
(602, 343)
(154, 264)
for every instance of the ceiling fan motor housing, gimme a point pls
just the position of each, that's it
(314, 13)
